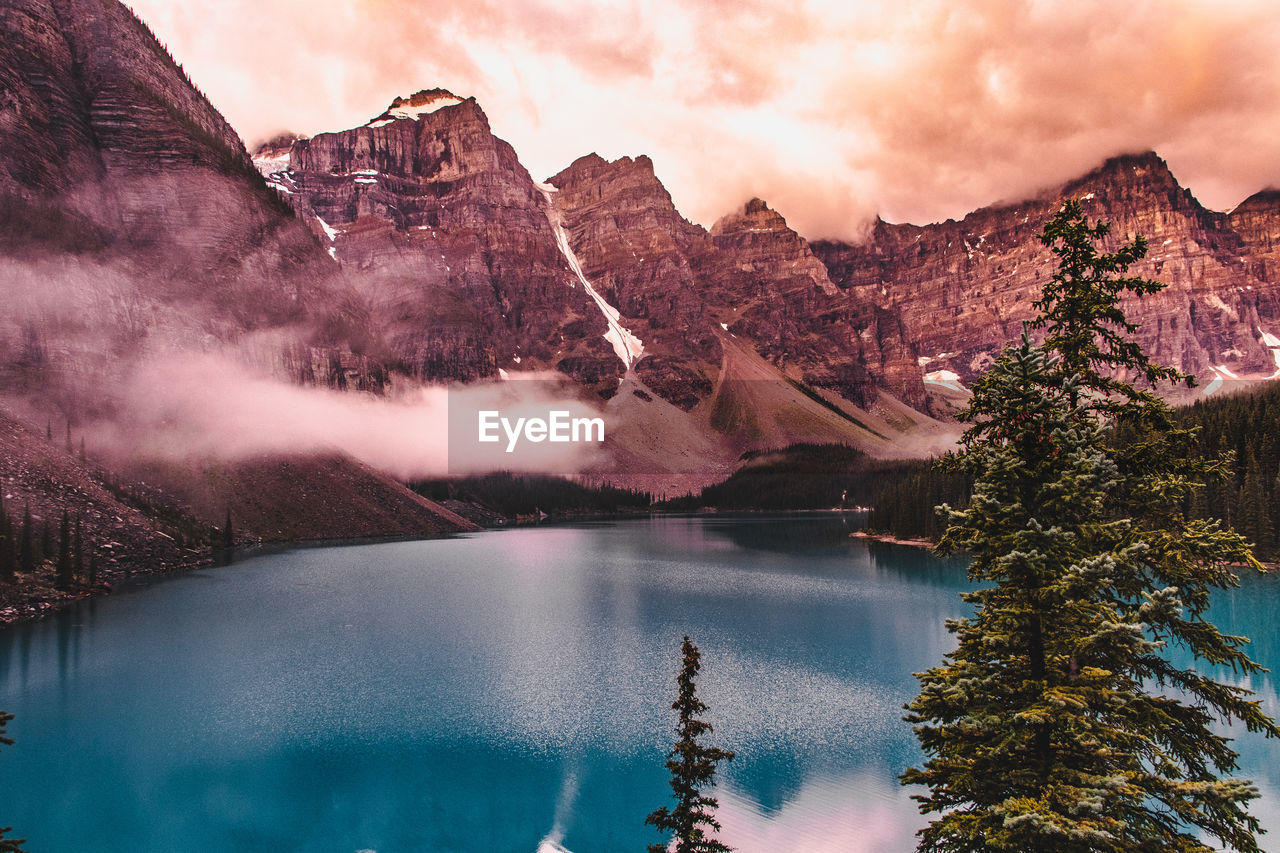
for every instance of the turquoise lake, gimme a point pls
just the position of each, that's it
(503, 691)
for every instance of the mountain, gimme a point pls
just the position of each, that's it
(416, 249)
(963, 288)
(448, 241)
(135, 230)
(472, 269)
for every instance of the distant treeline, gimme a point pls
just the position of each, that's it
(1246, 426)
(513, 495)
(904, 505)
(802, 476)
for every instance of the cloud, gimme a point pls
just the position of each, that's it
(831, 111)
(179, 405)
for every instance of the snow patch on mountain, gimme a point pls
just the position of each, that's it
(946, 378)
(628, 347)
(1272, 343)
(416, 106)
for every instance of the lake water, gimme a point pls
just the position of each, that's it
(505, 691)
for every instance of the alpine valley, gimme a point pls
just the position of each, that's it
(416, 251)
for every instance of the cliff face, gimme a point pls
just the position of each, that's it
(964, 288)
(750, 275)
(116, 166)
(449, 242)
(133, 227)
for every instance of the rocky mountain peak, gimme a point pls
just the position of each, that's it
(755, 216)
(417, 105)
(1262, 202)
(1131, 180)
(272, 155)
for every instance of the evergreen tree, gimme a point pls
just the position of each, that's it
(8, 845)
(693, 768)
(26, 544)
(1253, 513)
(8, 546)
(1050, 728)
(1080, 309)
(62, 577)
(46, 541)
(228, 534)
(77, 551)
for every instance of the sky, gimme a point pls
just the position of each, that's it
(833, 112)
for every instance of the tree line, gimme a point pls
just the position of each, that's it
(26, 547)
(1241, 430)
(510, 494)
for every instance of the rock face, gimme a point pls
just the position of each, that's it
(113, 163)
(132, 224)
(449, 242)
(750, 275)
(963, 288)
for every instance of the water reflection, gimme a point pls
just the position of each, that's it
(502, 691)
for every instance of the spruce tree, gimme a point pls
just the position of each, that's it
(8, 547)
(693, 767)
(77, 551)
(63, 573)
(26, 544)
(1051, 727)
(8, 845)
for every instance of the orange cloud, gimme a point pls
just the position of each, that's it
(832, 111)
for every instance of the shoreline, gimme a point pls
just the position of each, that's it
(890, 539)
(43, 599)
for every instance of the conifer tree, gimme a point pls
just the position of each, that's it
(693, 767)
(26, 544)
(8, 845)
(1051, 727)
(46, 541)
(8, 545)
(62, 577)
(77, 551)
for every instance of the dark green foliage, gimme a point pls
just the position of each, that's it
(228, 533)
(8, 845)
(1059, 723)
(1080, 310)
(902, 507)
(46, 541)
(64, 571)
(526, 494)
(8, 544)
(1239, 430)
(693, 768)
(26, 544)
(1245, 429)
(802, 476)
(77, 551)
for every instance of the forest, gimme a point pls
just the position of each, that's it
(1243, 427)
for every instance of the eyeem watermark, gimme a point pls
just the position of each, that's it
(559, 427)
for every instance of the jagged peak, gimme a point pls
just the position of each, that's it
(593, 167)
(1263, 201)
(417, 105)
(755, 215)
(282, 141)
(1149, 166)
